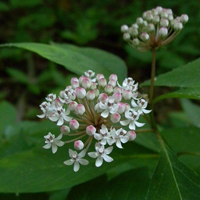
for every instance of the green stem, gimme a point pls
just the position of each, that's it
(147, 130)
(153, 69)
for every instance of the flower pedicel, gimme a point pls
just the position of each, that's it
(93, 111)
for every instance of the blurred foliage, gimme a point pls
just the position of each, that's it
(25, 78)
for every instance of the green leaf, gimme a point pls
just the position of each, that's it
(18, 75)
(190, 93)
(8, 115)
(39, 170)
(132, 184)
(192, 111)
(77, 59)
(173, 180)
(109, 61)
(185, 76)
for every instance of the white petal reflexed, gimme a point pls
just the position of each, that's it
(99, 162)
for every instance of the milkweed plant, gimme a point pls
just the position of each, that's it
(106, 123)
(100, 114)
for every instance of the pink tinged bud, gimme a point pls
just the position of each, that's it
(124, 28)
(115, 117)
(121, 107)
(113, 76)
(58, 103)
(164, 22)
(80, 92)
(86, 83)
(108, 88)
(127, 94)
(73, 124)
(164, 14)
(144, 36)
(135, 42)
(163, 32)
(112, 82)
(80, 109)
(64, 130)
(150, 27)
(184, 18)
(90, 130)
(74, 82)
(103, 97)
(78, 145)
(90, 95)
(72, 105)
(99, 76)
(126, 36)
(127, 107)
(156, 19)
(102, 82)
(139, 21)
(159, 9)
(135, 26)
(178, 26)
(117, 97)
(93, 85)
(117, 89)
(96, 91)
(132, 135)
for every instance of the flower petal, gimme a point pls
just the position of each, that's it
(83, 161)
(59, 143)
(60, 121)
(124, 139)
(105, 113)
(69, 162)
(107, 158)
(54, 148)
(99, 161)
(82, 153)
(76, 166)
(138, 124)
(125, 122)
(93, 154)
(47, 146)
(132, 125)
(108, 150)
(118, 144)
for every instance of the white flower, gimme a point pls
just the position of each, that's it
(132, 116)
(76, 159)
(119, 136)
(140, 106)
(89, 73)
(53, 142)
(104, 136)
(47, 109)
(108, 107)
(60, 115)
(101, 154)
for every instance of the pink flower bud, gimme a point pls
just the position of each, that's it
(108, 88)
(96, 91)
(117, 97)
(121, 107)
(73, 124)
(113, 76)
(127, 94)
(90, 95)
(58, 103)
(127, 107)
(93, 85)
(64, 130)
(78, 145)
(90, 130)
(80, 109)
(112, 82)
(132, 135)
(86, 82)
(117, 89)
(103, 97)
(99, 76)
(72, 105)
(74, 82)
(115, 117)
(163, 32)
(144, 36)
(80, 92)
(102, 82)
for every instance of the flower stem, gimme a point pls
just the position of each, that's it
(153, 69)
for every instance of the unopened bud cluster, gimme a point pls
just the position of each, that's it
(94, 111)
(156, 27)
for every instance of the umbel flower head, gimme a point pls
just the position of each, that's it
(94, 112)
(156, 28)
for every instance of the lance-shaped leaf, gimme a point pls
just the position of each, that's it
(173, 180)
(76, 59)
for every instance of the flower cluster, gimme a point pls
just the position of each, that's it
(156, 27)
(95, 111)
